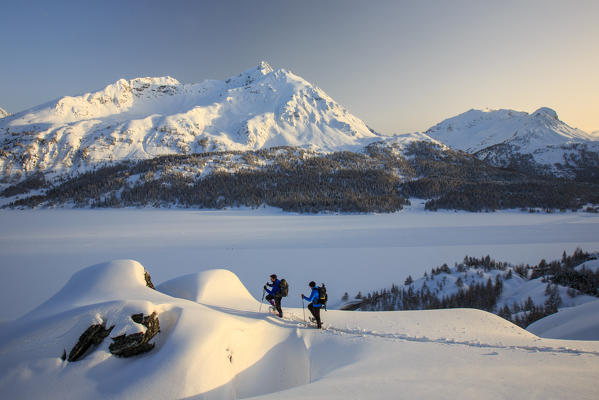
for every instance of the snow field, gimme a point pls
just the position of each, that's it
(41, 249)
(216, 350)
(579, 323)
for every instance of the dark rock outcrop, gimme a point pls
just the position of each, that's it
(136, 343)
(93, 336)
(148, 279)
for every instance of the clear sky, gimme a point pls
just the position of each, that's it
(401, 66)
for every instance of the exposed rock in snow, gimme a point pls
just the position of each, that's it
(136, 343)
(148, 280)
(93, 336)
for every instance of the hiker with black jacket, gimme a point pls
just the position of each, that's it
(274, 295)
(315, 304)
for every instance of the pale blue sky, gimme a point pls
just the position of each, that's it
(401, 66)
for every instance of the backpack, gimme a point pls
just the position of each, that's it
(323, 296)
(284, 288)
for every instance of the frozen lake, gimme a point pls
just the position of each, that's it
(41, 248)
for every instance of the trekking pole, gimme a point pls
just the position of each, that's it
(303, 308)
(261, 300)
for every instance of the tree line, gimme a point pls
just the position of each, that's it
(484, 295)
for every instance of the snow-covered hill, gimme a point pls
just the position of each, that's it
(576, 323)
(210, 350)
(508, 138)
(147, 117)
(3, 113)
(522, 294)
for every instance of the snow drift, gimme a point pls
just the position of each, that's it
(213, 344)
(217, 287)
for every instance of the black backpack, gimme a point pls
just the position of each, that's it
(323, 296)
(284, 288)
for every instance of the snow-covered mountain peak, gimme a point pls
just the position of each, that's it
(475, 130)
(3, 113)
(546, 112)
(114, 99)
(147, 117)
(507, 138)
(251, 75)
(264, 67)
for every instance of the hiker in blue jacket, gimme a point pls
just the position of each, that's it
(274, 294)
(314, 305)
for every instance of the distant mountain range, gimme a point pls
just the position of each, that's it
(265, 119)
(508, 138)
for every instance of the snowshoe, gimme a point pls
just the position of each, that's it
(274, 311)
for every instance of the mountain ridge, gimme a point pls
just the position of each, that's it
(147, 117)
(271, 128)
(538, 142)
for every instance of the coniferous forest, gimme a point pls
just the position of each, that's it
(473, 289)
(379, 179)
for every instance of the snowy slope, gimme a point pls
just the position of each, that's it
(475, 130)
(497, 288)
(398, 144)
(591, 265)
(146, 117)
(498, 135)
(577, 323)
(213, 351)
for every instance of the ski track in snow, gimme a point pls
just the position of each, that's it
(296, 321)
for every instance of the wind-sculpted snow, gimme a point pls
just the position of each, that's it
(214, 344)
(217, 287)
(147, 117)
